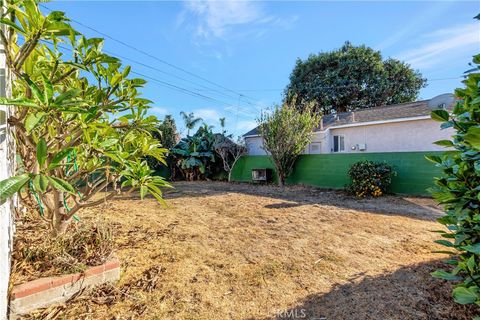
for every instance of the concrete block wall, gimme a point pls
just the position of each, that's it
(415, 174)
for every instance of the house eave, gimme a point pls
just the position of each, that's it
(370, 123)
(359, 124)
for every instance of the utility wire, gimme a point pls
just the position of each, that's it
(170, 86)
(154, 57)
(329, 87)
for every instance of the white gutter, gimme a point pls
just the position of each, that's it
(359, 124)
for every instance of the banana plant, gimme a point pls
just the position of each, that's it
(80, 122)
(195, 154)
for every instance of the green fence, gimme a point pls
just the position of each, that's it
(414, 173)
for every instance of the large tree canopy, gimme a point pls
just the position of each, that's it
(352, 77)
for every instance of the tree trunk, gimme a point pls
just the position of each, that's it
(60, 224)
(281, 180)
(60, 219)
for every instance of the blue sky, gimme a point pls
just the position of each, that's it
(238, 55)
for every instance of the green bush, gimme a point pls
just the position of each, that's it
(458, 190)
(370, 178)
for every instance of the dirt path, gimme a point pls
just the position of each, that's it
(237, 251)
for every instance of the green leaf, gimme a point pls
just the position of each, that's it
(471, 264)
(440, 115)
(35, 90)
(41, 152)
(475, 248)
(476, 100)
(9, 23)
(56, 160)
(48, 87)
(473, 137)
(32, 120)
(463, 295)
(444, 143)
(434, 159)
(126, 72)
(61, 185)
(67, 95)
(143, 191)
(18, 102)
(442, 274)
(116, 79)
(10, 186)
(40, 183)
(444, 243)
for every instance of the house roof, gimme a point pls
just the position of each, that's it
(383, 113)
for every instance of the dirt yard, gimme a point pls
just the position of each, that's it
(238, 251)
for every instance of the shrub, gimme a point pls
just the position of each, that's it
(80, 122)
(458, 190)
(286, 132)
(370, 178)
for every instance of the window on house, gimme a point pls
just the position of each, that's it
(338, 143)
(315, 148)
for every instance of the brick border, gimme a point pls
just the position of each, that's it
(46, 291)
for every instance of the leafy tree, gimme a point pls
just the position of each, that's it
(193, 155)
(190, 121)
(458, 190)
(352, 78)
(167, 132)
(222, 125)
(229, 152)
(286, 132)
(80, 123)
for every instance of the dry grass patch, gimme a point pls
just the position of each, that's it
(237, 251)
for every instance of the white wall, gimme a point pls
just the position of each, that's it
(414, 135)
(417, 135)
(254, 146)
(7, 166)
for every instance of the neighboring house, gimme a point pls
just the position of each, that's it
(395, 128)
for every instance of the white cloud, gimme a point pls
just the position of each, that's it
(443, 45)
(160, 111)
(215, 19)
(415, 21)
(207, 114)
(245, 125)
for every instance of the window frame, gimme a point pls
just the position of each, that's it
(339, 137)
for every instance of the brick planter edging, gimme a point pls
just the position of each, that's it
(46, 291)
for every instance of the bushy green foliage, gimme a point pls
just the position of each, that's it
(194, 156)
(370, 178)
(167, 132)
(190, 121)
(352, 77)
(80, 123)
(458, 190)
(286, 132)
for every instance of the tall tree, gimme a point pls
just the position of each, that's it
(286, 132)
(190, 121)
(352, 77)
(167, 132)
(81, 125)
(222, 125)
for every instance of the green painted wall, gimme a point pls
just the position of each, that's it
(414, 173)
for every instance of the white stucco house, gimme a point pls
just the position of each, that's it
(404, 127)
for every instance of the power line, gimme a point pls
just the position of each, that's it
(154, 57)
(331, 87)
(170, 86)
